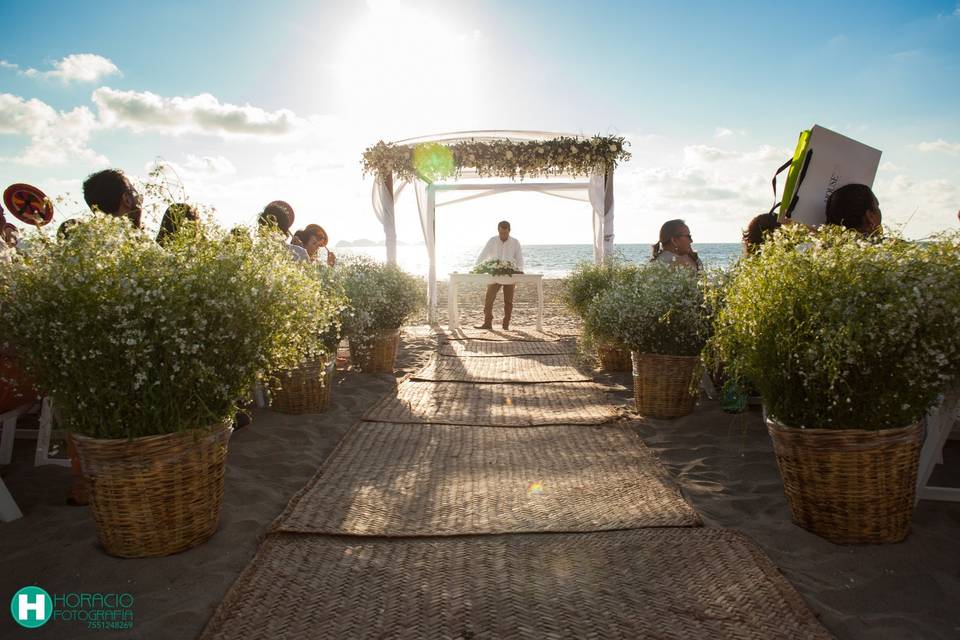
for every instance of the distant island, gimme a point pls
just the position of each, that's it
(364, 242)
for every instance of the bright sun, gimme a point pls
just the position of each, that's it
(404, 72)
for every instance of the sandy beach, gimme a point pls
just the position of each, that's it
(723, 463)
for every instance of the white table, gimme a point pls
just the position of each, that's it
(453, 308)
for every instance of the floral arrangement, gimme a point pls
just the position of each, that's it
(504, 158)
(496, 268)
(588, 280)
(134, 339)
(657, 309)
(840, 331)
(381, 297)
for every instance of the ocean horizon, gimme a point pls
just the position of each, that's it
(551, 260)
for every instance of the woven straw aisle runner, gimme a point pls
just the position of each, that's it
(392, 479)
(648, 583)
(396, 480)
(501, 405)
(517, 369)
(499, 348)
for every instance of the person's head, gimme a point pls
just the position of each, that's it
(854, 206)
(314, 238)
(278, 214)
(757, 231)
(112, 193)
(503, 230)
(674, 237)
(175, 218)
(66, 227)
(11, 235)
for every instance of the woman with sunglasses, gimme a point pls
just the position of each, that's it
(676, 245)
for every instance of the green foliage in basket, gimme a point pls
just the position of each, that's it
(839, 331)
(657, 309)
(134, 339)
(382, 296)
(588, 280)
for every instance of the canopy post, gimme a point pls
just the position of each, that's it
(608, 214)
(432, 249)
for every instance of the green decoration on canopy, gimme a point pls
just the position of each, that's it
(497, 158)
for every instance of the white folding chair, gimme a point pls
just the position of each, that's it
(939, 422)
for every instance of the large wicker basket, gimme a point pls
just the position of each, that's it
(156, 495)
(849, 485)
(305, 389)
(613, 358)
(663, 386)
(376, 355)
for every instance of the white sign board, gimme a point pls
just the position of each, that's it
(835, 161)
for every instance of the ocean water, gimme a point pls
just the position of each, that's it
(552, 260)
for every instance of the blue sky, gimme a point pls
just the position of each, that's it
(711, 95)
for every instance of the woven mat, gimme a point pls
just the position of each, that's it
(519, 369)
(492, 348)
(501, 405)
(469, 333)
(650, 583)
(396, 480)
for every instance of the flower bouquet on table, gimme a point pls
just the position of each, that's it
(658, 313)
(586, 282)
(496, 268)
(849, 342)
(146, 351)
(381, 298)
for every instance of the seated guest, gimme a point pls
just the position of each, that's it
(112, 193)
(66, 227)
(757, 231)
(854, 206)
(279, 215)
(315, 238)
(174, 219)
(675, 245)
(11, 235)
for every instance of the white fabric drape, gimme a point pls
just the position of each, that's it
(426, 204)
(383, 207)
(601, 199)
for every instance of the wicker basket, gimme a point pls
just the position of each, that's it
(305, 389)
(156, 495)
(849, 485)
(614, 358)
(663, 386)
(376, 356)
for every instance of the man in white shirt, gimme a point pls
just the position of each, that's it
(506, 249)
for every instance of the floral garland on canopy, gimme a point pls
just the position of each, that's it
(564, 155)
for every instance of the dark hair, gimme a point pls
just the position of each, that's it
(757, 230)
(848, 206)
(104, 190)
(66, 228)
(668, 231)
(277, 213)
(503, 224)
(173, 219)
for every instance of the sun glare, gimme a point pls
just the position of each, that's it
(406, 72)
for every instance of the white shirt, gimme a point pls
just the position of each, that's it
(508, 251)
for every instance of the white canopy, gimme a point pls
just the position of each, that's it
(597, 190)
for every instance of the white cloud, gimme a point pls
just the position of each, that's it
(940, 145)
(303, 161)
(724, 132)
(210, 165)
(55, 136)
(203, 114)
(704, 153)
(76, 67)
